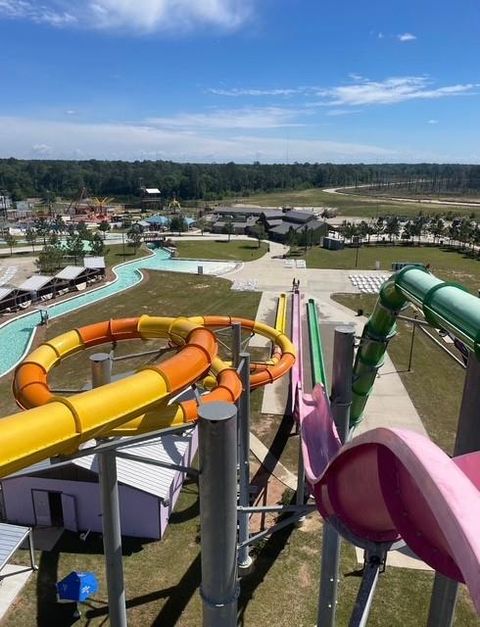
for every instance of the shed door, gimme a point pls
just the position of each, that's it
(41, 506)
(69, 512)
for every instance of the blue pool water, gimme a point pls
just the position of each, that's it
(16, 336)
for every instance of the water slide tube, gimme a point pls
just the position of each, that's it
(445, 305)
(54, 425)
(280, 327)
(388, 484)
(319, 439)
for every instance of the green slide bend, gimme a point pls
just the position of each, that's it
(445, 305)
(316, 352)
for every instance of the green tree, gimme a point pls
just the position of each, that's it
(58, 224)
(104, 226)
(134, 235)
(83, 232)
(42, 227)
(11, 242)
(202, 225)
(53, 239)
(259, 233)
(228, 229)
(178, 224)
(291, 238)
(97, 245)
(50, 259)
(392, 228)
(74, 247)
(437, 228)
(31, 237)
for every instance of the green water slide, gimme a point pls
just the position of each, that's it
(316, 352)
(445, 305)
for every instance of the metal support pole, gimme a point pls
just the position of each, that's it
(445, 590)
(363, 602)
(217, 448)
(236, 343)
(341, 397)
(410, 356)
(468, 432)
(244, 559)
(300, 496)
(32, 551)
(340, 401)
(236, 348)
(101, 365)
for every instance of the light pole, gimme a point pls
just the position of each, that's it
(356, 242)
(411, 346)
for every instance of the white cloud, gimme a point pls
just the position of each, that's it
(70, 112)
(361, 92)
(254, 118)
(27, 138)
(37, 12)
(432, 122)
(42, 150)
(254, 92)
(338, 112)
(380, 35)
(144, 16)
(390, 91)
(406, 37)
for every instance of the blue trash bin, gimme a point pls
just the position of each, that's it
(77, 586)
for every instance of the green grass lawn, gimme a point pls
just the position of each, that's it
(235, 250)
(117, 253)
(348, 205)
(447, 263)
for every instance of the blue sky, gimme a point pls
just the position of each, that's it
(241, 80)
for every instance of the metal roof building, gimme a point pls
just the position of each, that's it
(35, 283)
(94, 262)
(11, 539)
(66, 493)
(70, 272)
(157, 220)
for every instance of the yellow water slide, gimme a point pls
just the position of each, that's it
(55, 425)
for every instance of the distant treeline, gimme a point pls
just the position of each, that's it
(212, 181)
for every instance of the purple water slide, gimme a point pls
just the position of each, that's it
(392, 483)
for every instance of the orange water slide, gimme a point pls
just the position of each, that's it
(139, 403)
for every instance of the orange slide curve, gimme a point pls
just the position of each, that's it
(54, 425)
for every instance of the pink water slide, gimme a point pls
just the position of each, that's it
(388, 484)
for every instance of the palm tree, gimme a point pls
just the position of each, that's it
(437, 228)
(392, 228)
(228, 229)
(31, 237)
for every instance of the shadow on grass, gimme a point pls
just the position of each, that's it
(190, 512)
(463, 252)
(263, 563)
(93, 545)
(178, 597)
